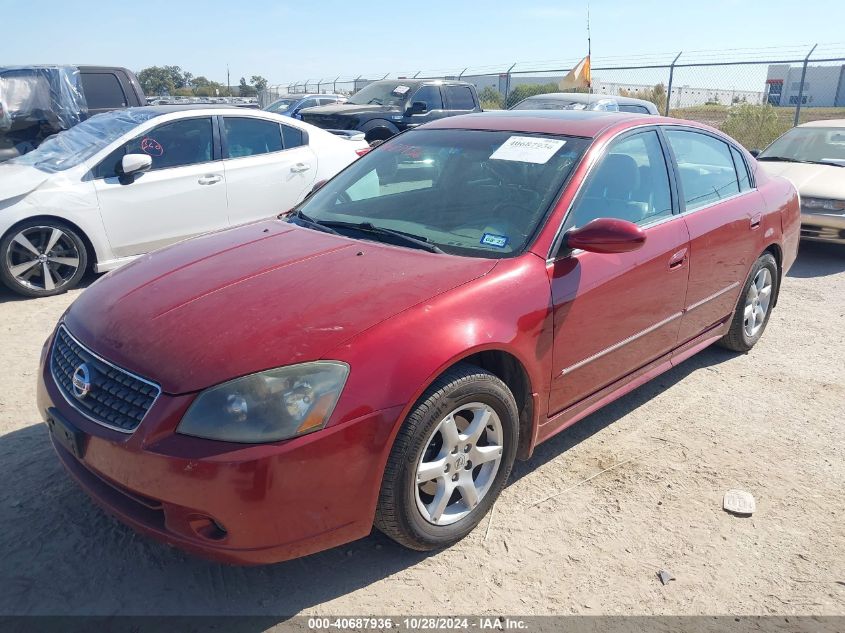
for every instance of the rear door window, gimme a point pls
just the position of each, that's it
(251, 137)
(705, 166)
(103, 91)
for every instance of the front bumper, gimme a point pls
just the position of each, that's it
(243, 504)
(823, 227)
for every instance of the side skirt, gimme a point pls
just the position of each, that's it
(590, 404)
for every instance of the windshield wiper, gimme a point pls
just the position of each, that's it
(312, 223)
(417, 241)
(798, 160)
(784, 159)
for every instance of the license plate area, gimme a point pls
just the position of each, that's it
(66, 434)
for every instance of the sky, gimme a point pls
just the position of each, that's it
(295, 41)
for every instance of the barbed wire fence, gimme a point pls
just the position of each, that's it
(792, 84)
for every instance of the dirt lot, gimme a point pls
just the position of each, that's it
(769, 422)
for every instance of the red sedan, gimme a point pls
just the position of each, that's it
(383, 353)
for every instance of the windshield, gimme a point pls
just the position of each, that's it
(606, 105)
(71, 147)
(808, 144)
(384, 93)
(281, 105)
(468, 192)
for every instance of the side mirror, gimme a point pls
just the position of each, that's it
(605, 235)
(133, 164)
(418, 107)
(318, 185)
(755, 152)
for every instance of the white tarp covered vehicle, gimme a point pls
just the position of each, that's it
(35, 103)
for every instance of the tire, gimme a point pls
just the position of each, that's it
(42, 258)
(752, 312)
(377, 136)
(407, 506)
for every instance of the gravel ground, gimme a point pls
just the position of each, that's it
(768, 422)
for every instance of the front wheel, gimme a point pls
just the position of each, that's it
(754, 307)
(41, 258)
(450, 460)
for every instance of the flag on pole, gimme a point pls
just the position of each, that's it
(578, 77)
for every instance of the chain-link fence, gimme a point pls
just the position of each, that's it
(754, 95)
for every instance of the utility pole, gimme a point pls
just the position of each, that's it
(589, 53)
(801, 87)
(228, 82)
(669, 87)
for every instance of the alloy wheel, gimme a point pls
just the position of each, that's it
(757, 302)
(459, 463)
(43, 258)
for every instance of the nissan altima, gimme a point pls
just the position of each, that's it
(382, 353)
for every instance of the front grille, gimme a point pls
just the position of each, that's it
(115, 398)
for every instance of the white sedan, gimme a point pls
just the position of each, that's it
(127, 182)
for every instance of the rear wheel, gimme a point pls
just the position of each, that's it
(41, 258)
(755, 306)
(450, 460)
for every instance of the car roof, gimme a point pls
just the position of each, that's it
(587, 123)
(825, 123)
(585, 97)
(305, 95)
(181, 107)
(418, 82)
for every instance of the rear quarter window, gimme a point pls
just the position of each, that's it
(638, 109)
(293, 137)
(103, 90)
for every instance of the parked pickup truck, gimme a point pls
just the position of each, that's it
(384, 108)
(39, 101)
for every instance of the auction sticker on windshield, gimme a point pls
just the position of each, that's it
(400, 90)
(528, 149)
(490, 239)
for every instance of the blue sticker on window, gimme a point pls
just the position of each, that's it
(490, 239)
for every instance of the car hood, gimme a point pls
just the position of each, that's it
(814, 181)
(19, 180)
(345, 108)
(251, 298)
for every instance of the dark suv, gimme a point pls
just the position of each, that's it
(39, 101)
(384, 108)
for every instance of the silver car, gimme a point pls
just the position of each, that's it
(586, 101)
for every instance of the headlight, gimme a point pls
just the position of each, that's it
(269, 406)
(822, 204)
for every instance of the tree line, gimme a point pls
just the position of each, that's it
(172, 80)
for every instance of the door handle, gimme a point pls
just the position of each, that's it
(677, 260)
(755, 220)
(209, 179)
(300, 167)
